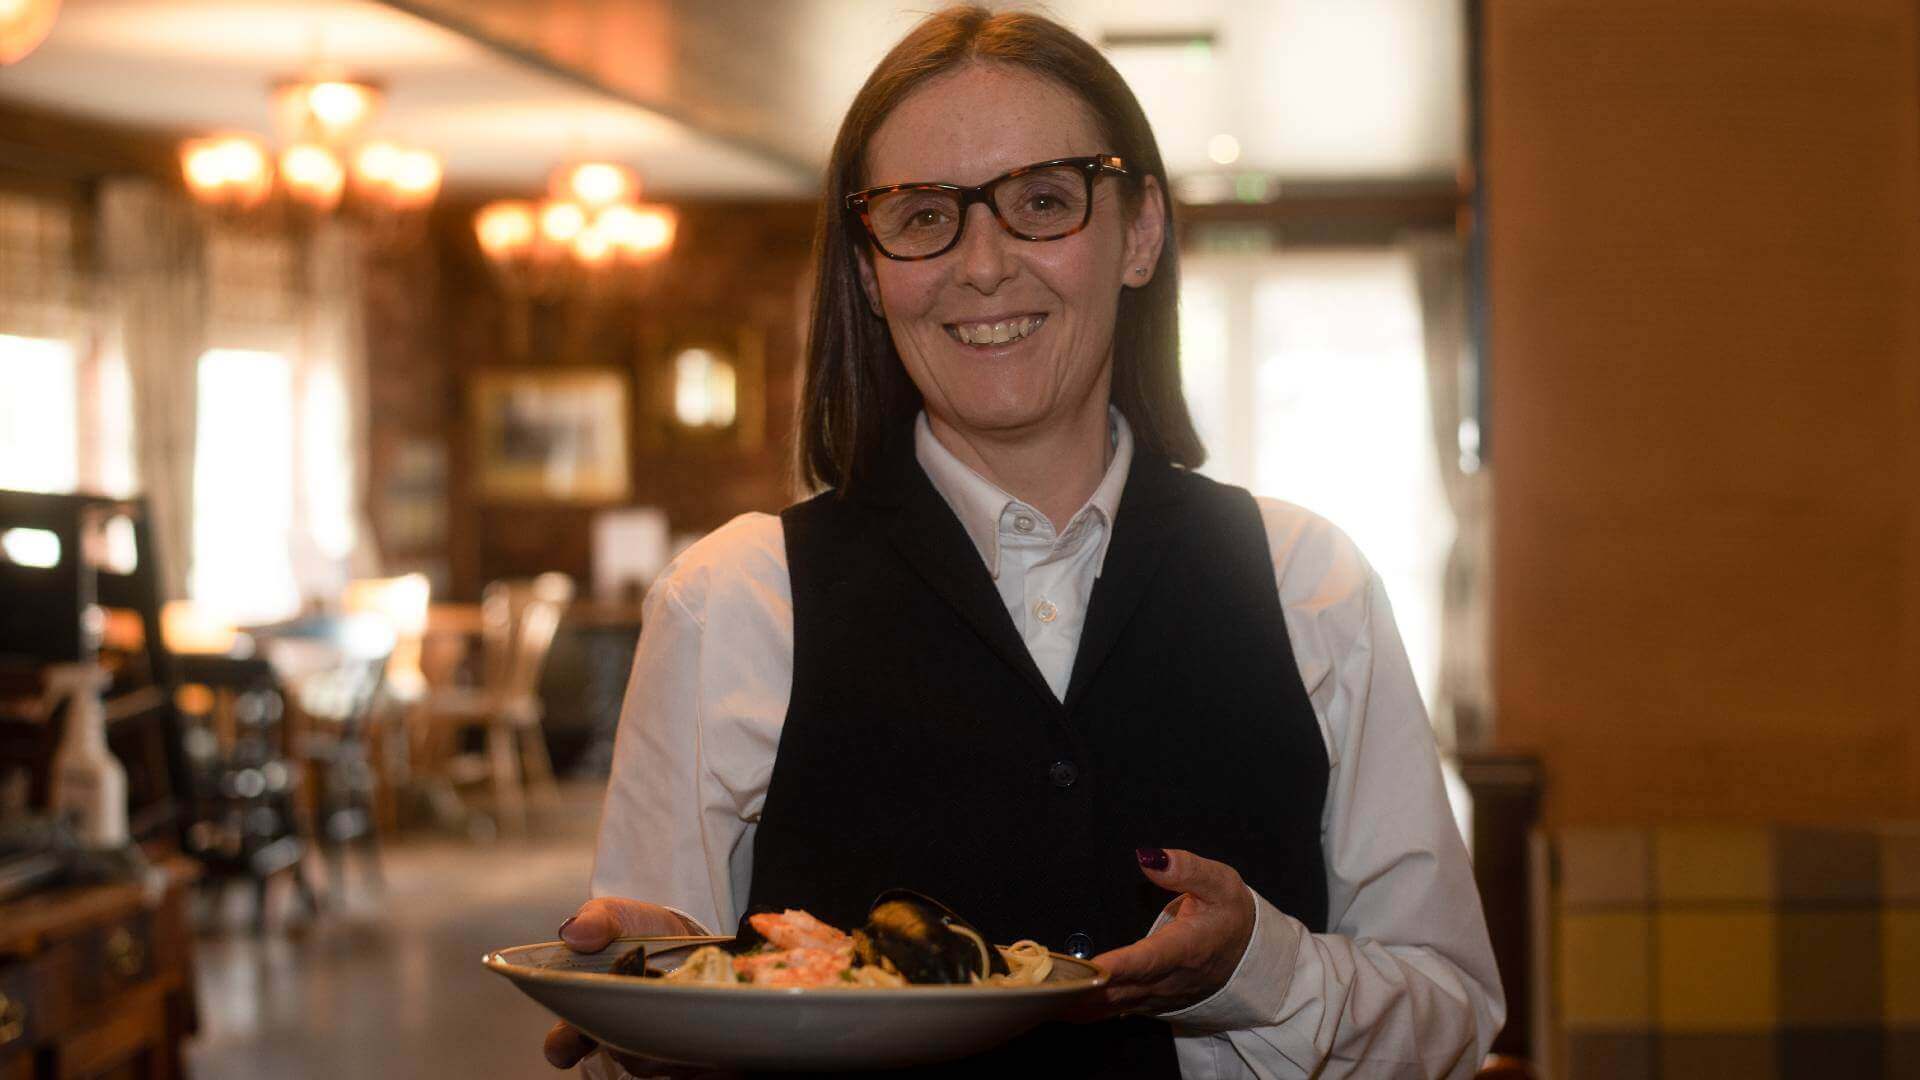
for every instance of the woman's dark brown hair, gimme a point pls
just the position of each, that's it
(856, 388)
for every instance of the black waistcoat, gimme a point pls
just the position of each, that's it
(923, 748)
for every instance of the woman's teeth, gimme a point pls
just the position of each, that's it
(997, 333)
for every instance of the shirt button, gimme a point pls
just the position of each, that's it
(1024, 523)
(1078, 944)
(1063, 774)
(1045, 611)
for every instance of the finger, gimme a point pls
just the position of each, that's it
(604, 918)
(1149, 959)
(565, 1046)
(1184, 872)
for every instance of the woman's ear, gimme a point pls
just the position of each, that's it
(1145, 234)
(863, 258)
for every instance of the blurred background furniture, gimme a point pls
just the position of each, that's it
(518, 620)
(246, 824)
(403, 603)
(80, 580)
(334, 667)
(97, 981)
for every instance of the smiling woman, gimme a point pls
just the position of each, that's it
(1020, 655)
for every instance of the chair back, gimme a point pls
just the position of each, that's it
(518, 623)
(402, 602)
(1752, 951)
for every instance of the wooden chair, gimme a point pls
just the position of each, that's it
(402, 603)
(518, 623)
(334, 666)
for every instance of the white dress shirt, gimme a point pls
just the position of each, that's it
(1404, 985)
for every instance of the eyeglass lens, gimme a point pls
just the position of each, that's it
(1042, 205)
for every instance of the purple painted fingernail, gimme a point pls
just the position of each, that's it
(1152, 858)
(562, 932)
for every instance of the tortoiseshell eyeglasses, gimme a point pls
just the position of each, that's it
(1048, 200)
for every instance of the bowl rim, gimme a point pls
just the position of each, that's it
(504, 962)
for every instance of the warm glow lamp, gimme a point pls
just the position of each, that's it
(330, 110)
(312, 176)
(597, 184)
(227, 170)
(24, 24)
(505, 229)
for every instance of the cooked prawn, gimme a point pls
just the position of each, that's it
(795, 929)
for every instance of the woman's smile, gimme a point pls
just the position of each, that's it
(991, 333)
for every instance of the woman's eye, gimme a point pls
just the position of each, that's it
(1045, 202)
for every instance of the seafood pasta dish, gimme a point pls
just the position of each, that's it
(907, 939)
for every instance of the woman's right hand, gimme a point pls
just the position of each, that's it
(598, 922)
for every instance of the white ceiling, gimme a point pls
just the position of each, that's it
(1324, 89)
(181, 65)
(1310, 88)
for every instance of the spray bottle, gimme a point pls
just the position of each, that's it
(89, 785)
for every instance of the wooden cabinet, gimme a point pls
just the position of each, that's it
(97, 983)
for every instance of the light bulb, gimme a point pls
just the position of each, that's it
(313, 175)
(505, 229)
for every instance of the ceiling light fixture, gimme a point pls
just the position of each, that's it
(590, 224)
(320, 119)
(229, 171)
(24, 24)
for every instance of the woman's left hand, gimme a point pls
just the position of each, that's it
(1193, 955)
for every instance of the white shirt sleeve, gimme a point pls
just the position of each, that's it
(1404, 984)
(700, 726)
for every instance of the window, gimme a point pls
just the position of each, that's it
(1307, 377)
(39, 415)
(243, 487)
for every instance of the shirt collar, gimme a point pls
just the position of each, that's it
(980, 504)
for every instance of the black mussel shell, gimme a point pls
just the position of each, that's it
(924, 940)
(634, 962)
(745, 937)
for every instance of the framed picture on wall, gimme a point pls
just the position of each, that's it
(552, 434)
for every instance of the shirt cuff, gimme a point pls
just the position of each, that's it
(1255, 992)
(699, 928)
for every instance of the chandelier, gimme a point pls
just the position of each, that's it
(591, 225)
(322, 161)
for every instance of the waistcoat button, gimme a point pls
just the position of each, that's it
(1079, 944)
(1063, 774)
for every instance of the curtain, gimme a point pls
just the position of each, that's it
(155, 301)
(41, 292)
(333, 353)
(1461, 713)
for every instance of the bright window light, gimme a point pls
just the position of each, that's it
(113, 436)
(39, 415)
(703, 389)
(243, 475)
(1310, 385)
(37, 548)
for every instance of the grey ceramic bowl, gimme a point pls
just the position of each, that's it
(747, 1027)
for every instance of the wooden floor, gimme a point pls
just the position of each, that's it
(392, 986)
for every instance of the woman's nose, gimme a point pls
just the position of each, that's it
(984, 259)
